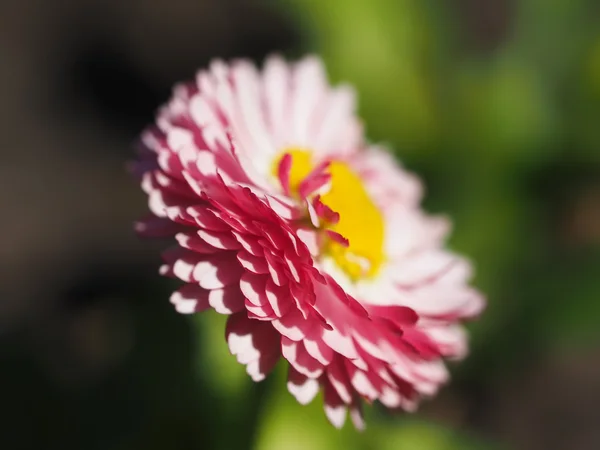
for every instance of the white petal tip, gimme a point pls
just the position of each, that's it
(336, 415)
(304, 393)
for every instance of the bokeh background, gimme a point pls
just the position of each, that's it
(496, 103)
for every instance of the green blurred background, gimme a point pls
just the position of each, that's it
(495, 103)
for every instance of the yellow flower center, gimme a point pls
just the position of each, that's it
(360, 222)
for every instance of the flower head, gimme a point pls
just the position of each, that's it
(310, 239)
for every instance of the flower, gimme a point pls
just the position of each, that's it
(310, 239)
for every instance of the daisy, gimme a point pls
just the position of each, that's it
(312, 240)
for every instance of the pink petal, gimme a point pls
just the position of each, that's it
(193, 242)
(224, 241)
(189, 299)
(338, 378)
(253, 288)
(276, 269)
(279, 298)
(207, 220)
(319, 350)
(324, 211)
(335, 409)
(276, 81)
(303, 388)
(228, 300)
(249, 243)
(298, 357)
(292, 325)
(283, 172)
(337, 237)
(217, 272)
(252, 263)
(357, 417)
(253, 343)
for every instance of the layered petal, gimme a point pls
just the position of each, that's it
(311, 241)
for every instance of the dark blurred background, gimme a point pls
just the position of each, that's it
(496, 103)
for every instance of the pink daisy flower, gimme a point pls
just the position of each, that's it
(310, 239)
